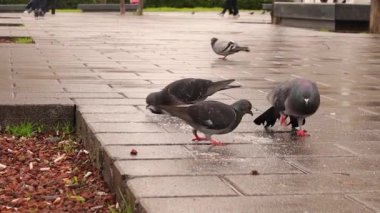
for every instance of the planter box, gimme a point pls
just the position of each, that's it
(333, 17)
(6, 8)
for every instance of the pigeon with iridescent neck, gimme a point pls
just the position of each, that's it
(186, 91)
(226, 48)
(211, 117)
(297, 99)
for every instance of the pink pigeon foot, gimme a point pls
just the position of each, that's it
(216, 143)
(283, 120)
(197, 138)
(302, 133)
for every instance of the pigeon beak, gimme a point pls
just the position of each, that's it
(150, 107)
(250, 112)
(153, 109)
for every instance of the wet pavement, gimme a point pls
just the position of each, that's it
(107, 64)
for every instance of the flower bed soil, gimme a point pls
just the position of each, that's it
(49, 174)
(6, 40)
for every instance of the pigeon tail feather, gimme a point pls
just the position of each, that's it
(246, 49)
(268, 118)
(221, 85)
(179, 111)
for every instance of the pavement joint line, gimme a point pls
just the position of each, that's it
(323, 84)
(349, 197)
(188, 196)
(347, 149)
(232, 185)
(368, 111)
(313, 193)
(336, 119)
(174, 144)
(294, 165)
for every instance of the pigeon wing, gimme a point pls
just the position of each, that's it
(277, 97)
(220, 85)
(212, 115)
(189, 90)
(222, 47)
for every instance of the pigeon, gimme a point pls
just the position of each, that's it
(186, 91)
(211, 117)
(225, 48)
(297, 98)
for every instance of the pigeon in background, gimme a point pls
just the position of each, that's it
(211, 117)
(186, 91)
(226, 48)
(298, 99)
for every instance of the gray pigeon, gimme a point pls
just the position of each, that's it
(211, 117)
(186, 91)
(226, 48)
(298, 99)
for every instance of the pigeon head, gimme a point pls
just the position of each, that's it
(243, 106)
(153, 100)
(304, 97)
(213, 40)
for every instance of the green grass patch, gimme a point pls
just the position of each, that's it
(173, 9)
(77, 198)
(64, 130)
(24, 40)
(68, 10)
(24, 129)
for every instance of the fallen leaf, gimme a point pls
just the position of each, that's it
(2, 166)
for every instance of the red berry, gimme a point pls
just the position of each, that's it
(133, 152)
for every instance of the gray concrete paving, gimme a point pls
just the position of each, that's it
(106, 64)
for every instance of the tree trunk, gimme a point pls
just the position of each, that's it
(139, 11)
(122, 7)
(271, 13)
(374, 26)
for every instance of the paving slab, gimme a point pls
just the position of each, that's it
(340, 164)
(178, 186)
(291, 203)
(279, 150)
(302, 184)
(141, 139)
(125, 127)
(95, 109)
(208, 164)
(118, 152)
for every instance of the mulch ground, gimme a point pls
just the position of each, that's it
(49, 174)
(6, 40)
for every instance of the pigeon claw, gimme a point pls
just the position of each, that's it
(302, 133)
(216, 143)
(197, 139)
(283, 120)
